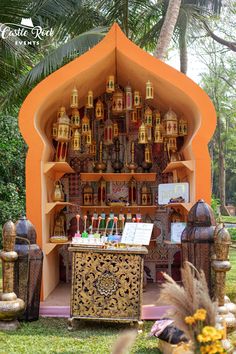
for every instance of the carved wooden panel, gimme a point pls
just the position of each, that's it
(107, 285)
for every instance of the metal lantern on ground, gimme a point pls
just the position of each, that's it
(89, 103)
(146, 195)
(183, 127)
(29, 262)
(99, 110)
(142, 134)
(197, 240)
(76, 140)
(74, 99)
(149, 90)
(137, 100)
(117, 101)
(132, 191)
(88, 194)
(102, 192)
(75, 118)
(110, 84)
(128, 98)
(85, 125)
(170, 124)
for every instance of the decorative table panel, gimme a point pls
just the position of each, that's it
(107, 284)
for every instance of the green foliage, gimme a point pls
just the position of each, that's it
(229, 219)
(232, 232)
(215, 204)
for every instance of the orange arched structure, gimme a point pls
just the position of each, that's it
(114, 54)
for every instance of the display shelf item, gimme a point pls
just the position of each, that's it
(126, 209)
(189, 164)
(123, 177)
(185, 206)
(56, 170)
(57, 205)
(49, 246)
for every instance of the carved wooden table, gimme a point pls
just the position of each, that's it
(107, 284)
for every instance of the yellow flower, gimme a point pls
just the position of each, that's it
(200, 315)
(203, 339)
(209, 331)
(189, 320)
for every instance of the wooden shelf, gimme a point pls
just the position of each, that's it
(186, 206)
(109, 177)
(179, 164)
(49, 247)
(56, 170)
(58, 206)
(117, 208)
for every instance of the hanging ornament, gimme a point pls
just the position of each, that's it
(102, 194)
(117, 101)
(93, 148)
(183, 127)
(85, 125)
(128, 98)
(110, 84)
(99, 110)
(146, 195)
(61, 111)
(75, 118)
(158, 134)
(108, 132)
(115, 130)
(133, 116)
(157, 117)
(89, 103)
(88, 194)
(149, 90)
(148, 117)
(170, 124)
(132, 191)
(142, 134)
(76, 140)
(137, 100)
(74, 99)
(88, 137)
(63, 137)
(54, 131)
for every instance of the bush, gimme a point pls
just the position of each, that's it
(232, 232)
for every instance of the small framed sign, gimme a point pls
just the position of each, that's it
(137, 233)
(176, 231)
(167, 191)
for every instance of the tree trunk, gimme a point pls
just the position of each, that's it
(183, 46)
(167, 28)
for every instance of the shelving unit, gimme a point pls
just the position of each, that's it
(118, 177)
(185, 206)
(189, 164)
(50, 246)
(57, 206)
(126, 209)
(55, 170)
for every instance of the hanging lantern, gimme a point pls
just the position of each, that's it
(61, 111)
(170, 124)
(110, 84)
(146, 195)
(88, 194)
(149, 90)
(172, 144)
(89, 103)
(75, 118)
(54, 131)
(85, 125)
(99, 110)
(133, 116)
(142, 134)
(148, 117)
(132, 191)
(158, 134)
(128, 98)
(147, 154)
(108, 132)
(115, 130)
(183, 127)
(137, 100)
(88, 138)
(93, 148)
(63, 128)
(139, 114)
(117, 101)
(102, 192)
(76, 140)
(157, 117)
(74, 99)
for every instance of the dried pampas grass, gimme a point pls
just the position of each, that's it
(186, 299)
(124, 342)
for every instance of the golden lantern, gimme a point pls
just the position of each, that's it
(149, 90)
(108, 132)
(148, 117)
(158, 134)
(115, 130)
(110, 84)
(93, 148)
(142, 134)
(146, 195)
(172, 144)
(132, 191)
(183, 127)
(137, 100)
(75, 118)
(128, 98)
(157, 117)
(139, 114)
(170, 124)
(88, 137)
(74, 99)
(147, 154)
(61, 111)
(89, 103)
(85, 125)
(102, 192)
(133, 116)
(99, 110)
(117, 101)
(88, 194)
(63, 128)
(54, 131)
(76, 140)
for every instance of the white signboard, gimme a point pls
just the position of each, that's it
(166, 191)
(137, 233)
(176, 231)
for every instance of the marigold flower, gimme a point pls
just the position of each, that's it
(200, 315)
(209, 331)
(189, 320)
